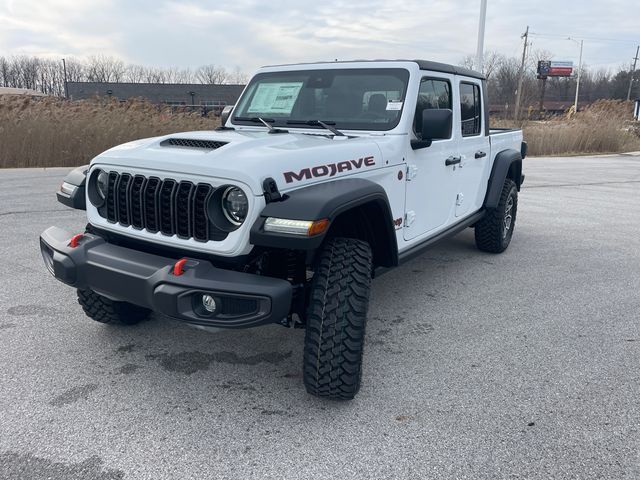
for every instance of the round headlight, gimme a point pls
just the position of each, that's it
(98, 187)
(102, 184)
(235, 205)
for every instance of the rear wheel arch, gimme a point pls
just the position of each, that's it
(507, 165)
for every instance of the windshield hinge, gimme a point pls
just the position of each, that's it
(271, 192)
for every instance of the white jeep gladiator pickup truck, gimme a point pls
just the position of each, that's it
(320, 177)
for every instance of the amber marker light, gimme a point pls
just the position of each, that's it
(306, 228)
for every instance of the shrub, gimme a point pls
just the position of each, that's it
(604, 127)
(52, 132)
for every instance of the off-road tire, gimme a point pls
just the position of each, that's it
(336, 319)
(492, 233)
(104, 310)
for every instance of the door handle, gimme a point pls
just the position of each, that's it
(452, 161)
(481, 154)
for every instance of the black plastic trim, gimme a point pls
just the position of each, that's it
(147, 280)
(325, 200)
(501, 166)
(78, 178)
(417, 250)
(423, 64)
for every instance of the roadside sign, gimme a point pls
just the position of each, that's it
(548, 68)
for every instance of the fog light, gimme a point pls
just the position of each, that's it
(209, 303)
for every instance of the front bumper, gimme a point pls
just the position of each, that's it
(123, 274)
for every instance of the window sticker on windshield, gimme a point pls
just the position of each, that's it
(275, 98)
(394, 105)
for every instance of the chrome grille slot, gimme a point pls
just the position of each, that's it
(156, 205)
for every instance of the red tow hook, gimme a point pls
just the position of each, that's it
(73, 243)
(178, 268)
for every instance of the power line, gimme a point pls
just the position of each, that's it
(597, 39)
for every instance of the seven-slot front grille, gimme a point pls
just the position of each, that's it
(167, 206)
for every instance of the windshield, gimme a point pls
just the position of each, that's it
(351, 99)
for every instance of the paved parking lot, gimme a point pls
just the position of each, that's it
(523, 365)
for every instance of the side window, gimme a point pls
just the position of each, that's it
(471, 109)
(433, 94)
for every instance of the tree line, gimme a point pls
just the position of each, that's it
(48, 75)
(503, 72)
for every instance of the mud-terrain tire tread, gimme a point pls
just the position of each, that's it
(336, 319)
(105, 310)
(489, 230)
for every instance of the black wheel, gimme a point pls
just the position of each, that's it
(104, 310)
(336, 319)
(493, 233)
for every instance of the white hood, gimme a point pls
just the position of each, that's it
(250, 156)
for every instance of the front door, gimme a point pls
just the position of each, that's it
(431, 185)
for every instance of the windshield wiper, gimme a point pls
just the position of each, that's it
(326, 125)
(255, 119)
(265, 121)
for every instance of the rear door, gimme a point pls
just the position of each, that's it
(431, 185)
(474, 148)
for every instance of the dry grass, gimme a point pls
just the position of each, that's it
(55, 133)
(604, 127)
(52, 132)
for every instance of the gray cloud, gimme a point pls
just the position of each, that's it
(250, 33)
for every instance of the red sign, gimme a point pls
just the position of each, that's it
(555, 69)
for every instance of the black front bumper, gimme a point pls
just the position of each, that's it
(243, 299)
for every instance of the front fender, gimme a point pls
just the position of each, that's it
(72, 191)
(325, 200)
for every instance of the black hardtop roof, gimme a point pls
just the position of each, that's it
(423, 64)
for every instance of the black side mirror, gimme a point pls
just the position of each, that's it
(436, 125)
(226, 113)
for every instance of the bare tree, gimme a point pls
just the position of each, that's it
(4, 72)
(491, 61)
(135, 73)
(105, 69)
(76, 71)
(238, 77)
(212, 74)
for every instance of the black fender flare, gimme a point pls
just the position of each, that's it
(325, 200)
(508, 163)
(76, 199)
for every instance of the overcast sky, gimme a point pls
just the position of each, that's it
(250, 33)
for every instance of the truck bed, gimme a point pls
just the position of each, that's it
(504, 138)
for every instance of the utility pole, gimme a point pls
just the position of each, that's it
(521, 73)
(66, 89)
(481, 28)
(633, 72)
(575, 104)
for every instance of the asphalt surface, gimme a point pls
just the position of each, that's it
(520, 365)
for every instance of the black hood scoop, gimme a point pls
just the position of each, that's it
(192, 143)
